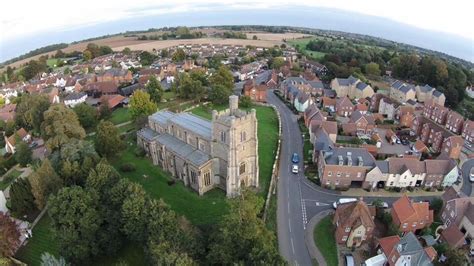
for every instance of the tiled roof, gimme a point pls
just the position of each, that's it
(183, 150)
(188, 121)
(355, 214)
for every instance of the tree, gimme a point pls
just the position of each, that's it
(141, 104)
(108, 142)
(372, 69)
(104, 110)
(455, 257)
(75, 221)
(163, 254)
(155, 90)
(87, 115)
(190, 88)
(223, 77)
(126, 51)
(9, 236)
(94, 49)
(10, 128)
(60, 125)
(23, 153)
(21, 198)
(34, 68)
(74, 160)
(180, 31)
(87, 55)
(134, 213)
(164, 53)
(59, 54)
(254, 37)
(245, 102)
(44, 182)
(50, 260)
(277, 62)
(30, 111)
(242, 237)
(436, 204)
(179, 55)
(219, 94)
(146, 58)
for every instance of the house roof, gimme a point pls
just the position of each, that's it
(410, 246)
(21, 133)
(102, 86)
(344, 101)
(420, 146)
(405, 209)
(355, 154)
(450, 193)
(439, 167)
(452, 235)
(400, 165)
(357, 115)
(74, 96)
(188, 121)
(182, 149)
(387, 244)
(112, 100)
(355, 214)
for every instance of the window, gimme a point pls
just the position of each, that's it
(359, 174)
(391, 183)
(207, 178)
(344, 238)
(338, 174)
(348, 229)
(359, 232)
(223, 136)
(452, 214)
(405, 225)
(242, 168)
(193, 177)
(329, 173)
(243, 136)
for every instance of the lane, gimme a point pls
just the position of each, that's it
(290, 214)
(467, 184)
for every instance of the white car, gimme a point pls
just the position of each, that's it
(471, 175)
(343, 201)
(294, 169)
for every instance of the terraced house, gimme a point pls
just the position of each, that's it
(351, 87)
(221, 153)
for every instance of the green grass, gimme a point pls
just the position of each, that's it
(324, 240)
(302, 44)
(169, 95)
(42, 241)
(9, 178)
(126, 128)
(307, 146)
(200, 210)
(120, 115)
(205, 111)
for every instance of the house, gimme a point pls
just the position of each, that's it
(7, 112)
(402, 92)
(267, 77)
(328, 127)
(97, 89)
(429, 132)
(405, 115)
(454, 122)
(387, 107)
(444, 170)
(329, 103)
(411, 216)
(406, 250)
(468, 131)
(129, 90)
(438, 97)
(202, 153)
(362, 108)
(344, 167)
(351, 87)
(420, 147)
(113, 101)
(302, 102)
(354, 223)
(452, 146)
(75, 98)
(309, 113)
(359, 124)
(10, 142)
(457, 216)
(256, 92)
(375, 102)
(470, 91)
(116, 75)
(344, 107)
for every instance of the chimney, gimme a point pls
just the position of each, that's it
(233, 104)
(340, 160)
(349, 160)
(360, 160)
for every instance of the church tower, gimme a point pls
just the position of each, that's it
(235, 147)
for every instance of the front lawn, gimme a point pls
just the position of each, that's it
(9, 178)
(324, 240)
(120, 115)
(42, 241)
(200, 210)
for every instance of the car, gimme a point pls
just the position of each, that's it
(294, 169)
(349, 260)
(343, 201)
(295, 158)
(405, 142)
(471, 175)
(398, 141)
(382, 204)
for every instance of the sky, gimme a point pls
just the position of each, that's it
(19, 20)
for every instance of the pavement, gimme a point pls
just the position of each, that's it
(313, 249)
(299, 200)
(388, 148)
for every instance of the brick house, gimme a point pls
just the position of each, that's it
(100, 88)
(344, 107)
(452, 146)
(375, 102)
(387, 107)
(454, 122)
(435, 112)
(354, 223)
(311, 112)
(342, 167)
(411, 216)
(116, 75)
(256, 92)
(359, 124)
(429, 132)
(405, 115)
(468, 131)
(406, 250)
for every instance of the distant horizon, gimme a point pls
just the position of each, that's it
(315, 18)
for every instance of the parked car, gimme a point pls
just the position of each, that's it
(383, 204)
(405, 142)
(398, 141)
(471, 175)
(343, 201)
(295, 158)
(294, 169)
(349, 260)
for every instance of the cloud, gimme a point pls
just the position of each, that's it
(20, 19)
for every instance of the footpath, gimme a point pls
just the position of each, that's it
(359, 192)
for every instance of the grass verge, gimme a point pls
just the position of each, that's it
(120, 115)
(324, 240)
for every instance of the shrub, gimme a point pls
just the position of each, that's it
(128, 167)
(140, 152)
(171, 182)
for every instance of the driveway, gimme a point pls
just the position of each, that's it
(388, 148)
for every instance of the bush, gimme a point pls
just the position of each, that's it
(140, 152)
(171, 182)
(128, 167)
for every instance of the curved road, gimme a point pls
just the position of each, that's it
(299, 199)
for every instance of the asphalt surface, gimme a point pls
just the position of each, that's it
(465, 169)
(298, 198)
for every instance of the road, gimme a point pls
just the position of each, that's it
(298, 198)
(465, 169)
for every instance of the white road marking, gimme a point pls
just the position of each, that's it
(303, 207)
(321, 204)
(292, 246)
(289, 225)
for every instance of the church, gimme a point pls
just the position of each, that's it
(221, 153)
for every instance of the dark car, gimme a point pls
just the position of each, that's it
(295, 158)
(405, 142)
